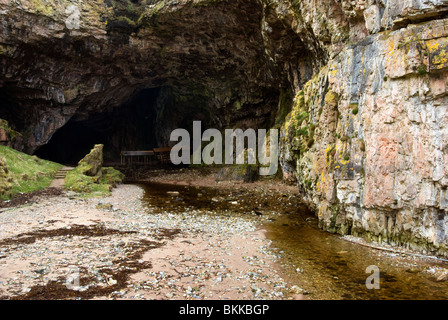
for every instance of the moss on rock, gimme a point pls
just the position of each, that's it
(7, 134)
(91, 164)
(5, 185)
(90, 178)
(331, 98)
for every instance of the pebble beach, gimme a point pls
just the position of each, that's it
(66, 247)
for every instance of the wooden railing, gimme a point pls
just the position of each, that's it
(146, 157)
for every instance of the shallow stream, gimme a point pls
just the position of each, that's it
(323, 264)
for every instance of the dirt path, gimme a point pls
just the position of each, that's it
(59, 180)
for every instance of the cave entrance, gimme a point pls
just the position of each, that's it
(130, 126)
(145, 121)
(71, 143)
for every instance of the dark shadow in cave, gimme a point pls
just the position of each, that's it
(71, 143)
(10, 110)
(131, 126)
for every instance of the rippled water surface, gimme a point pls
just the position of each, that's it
(323, 264)
(332, 268)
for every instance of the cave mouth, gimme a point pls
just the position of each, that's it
(71, 143)
(146, 120)
(130, 126)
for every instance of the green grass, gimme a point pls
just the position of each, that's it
(88, 186)
(422, 69)
(28, 173)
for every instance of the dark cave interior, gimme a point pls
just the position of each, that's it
(131, 126)
(144, 120)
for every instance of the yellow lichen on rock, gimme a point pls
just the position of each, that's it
(331, 98)
(438, 50)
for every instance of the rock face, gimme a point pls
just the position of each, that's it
(358, 88)
(9, 137)
(67, 61)
(367, 136)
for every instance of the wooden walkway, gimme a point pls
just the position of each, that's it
(157, 155)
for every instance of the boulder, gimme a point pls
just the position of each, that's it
(91, 164)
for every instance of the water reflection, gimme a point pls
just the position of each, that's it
(333, 268)
(323, 264)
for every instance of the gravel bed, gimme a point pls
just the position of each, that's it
(63, 247)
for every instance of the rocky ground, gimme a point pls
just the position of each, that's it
(59, 246)
(55, 244)
(215, 177)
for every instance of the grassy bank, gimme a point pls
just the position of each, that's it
(76, 180)
(24, 173)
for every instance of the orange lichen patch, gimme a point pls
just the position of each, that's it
(432, 45)
(329, 155)
(332, 74)
(407, 53)
(321, 183)
(322, 209)
(438, 50)
(390, 48)
(395, 60)
(441, 58)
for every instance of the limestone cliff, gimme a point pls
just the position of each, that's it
(358, 88)
(367, 139)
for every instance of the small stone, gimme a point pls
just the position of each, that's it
(26, 290)
(104, 206)
(442, 277)
(413, 270)
(296, 290)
